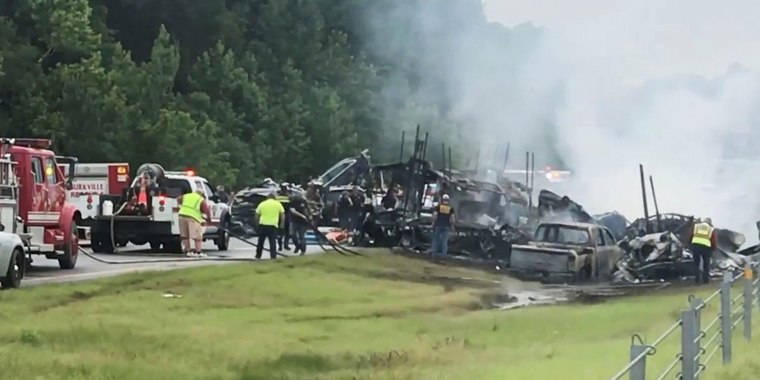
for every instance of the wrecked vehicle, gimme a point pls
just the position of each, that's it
(665, 255)
(245, 201)
(569, 251)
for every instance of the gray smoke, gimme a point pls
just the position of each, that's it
(670, 84)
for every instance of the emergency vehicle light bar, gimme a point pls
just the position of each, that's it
(188, 173)
(32, 143)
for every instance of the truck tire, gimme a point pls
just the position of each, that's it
(70, 248)
(173, 246)
(101, 244)
(223, 240)
(155, 246)
(12, 278)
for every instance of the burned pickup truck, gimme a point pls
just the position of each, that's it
(567, 252)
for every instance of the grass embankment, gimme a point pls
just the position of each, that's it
(329, 317)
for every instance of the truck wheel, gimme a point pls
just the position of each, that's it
(155, 246)
(70, 248)
(12, 279)
(223, 241)
(173, 246)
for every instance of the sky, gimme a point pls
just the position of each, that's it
(710, 35)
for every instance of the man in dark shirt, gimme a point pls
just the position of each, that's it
(222, 195)
(357, 208)
(299, 222)
(344, 208)
(443, 224)
(389, 200)
(283, 196)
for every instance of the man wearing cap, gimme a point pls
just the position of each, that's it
(283, 238)
(443, 224)
(703, 242)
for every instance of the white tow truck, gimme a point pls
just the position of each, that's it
(148, 212)
(90, 181)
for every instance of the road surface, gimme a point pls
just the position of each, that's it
(46, 271)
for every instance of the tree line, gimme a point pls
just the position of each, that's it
(238, 90)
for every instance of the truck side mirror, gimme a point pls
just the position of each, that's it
(69, 184)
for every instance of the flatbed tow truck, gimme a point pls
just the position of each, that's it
(147, 212)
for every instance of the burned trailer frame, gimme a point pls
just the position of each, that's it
(481, 210)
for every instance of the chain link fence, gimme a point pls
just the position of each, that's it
(702, 337)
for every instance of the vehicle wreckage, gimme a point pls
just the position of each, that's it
(497, 223)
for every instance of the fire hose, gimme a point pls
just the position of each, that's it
(320, 236)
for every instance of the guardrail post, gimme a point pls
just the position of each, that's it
(725, 316)
(639, 369)
(688, 348)
(757, 282)
(696, 306)
(748, 301)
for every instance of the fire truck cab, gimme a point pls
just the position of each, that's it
(152, 218)
(46, 222)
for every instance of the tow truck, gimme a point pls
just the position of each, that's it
(44, 220)
(94, 179)
(147, 212)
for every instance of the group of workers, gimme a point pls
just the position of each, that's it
(283, 217)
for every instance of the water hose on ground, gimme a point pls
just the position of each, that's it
(320, 236)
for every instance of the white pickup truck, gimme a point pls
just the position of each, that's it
(157, 224)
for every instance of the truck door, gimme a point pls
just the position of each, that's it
(601, 254)
(40, 198)
(214, 208)
(54, 184)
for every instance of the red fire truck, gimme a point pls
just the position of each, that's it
(46, 221)
(90, 181)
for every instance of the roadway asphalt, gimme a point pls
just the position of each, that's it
(44, 271)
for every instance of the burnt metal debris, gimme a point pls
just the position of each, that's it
(552, 240)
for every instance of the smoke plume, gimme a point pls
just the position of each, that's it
(672, 85)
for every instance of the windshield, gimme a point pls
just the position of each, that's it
(334, 171)
(562, 235)
(176, 187)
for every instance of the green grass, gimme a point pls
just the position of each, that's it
(330, 317)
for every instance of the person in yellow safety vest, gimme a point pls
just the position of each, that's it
(192, 207)
(703, 243)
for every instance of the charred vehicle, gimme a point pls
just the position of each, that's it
(563, 251)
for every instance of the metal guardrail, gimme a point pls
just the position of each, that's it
(700, 344)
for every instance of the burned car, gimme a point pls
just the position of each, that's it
(562, 251)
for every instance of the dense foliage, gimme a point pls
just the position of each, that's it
(238, 89)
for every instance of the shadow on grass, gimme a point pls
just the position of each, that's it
(293, 366)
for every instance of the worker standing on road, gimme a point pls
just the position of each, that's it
(314, 201)
(343, 209)
(443, 224)
(703, 242)
(357, 208)
(192, 208)
(299, 222)
(222, 195)
(270, 215)
(283, 196)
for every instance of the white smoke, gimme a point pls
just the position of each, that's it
(636, 89)
(670, 84)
